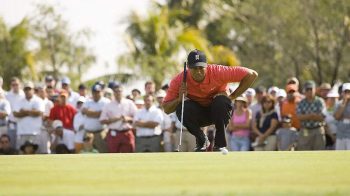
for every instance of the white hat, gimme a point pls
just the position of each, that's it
(81, 99)
(139, 101)
(333, 93)
(161, 93)
(28, 84)
(273, 88)
(57, 124)
(346, 86)
(250, 92)
(281, 93)
(241, 98)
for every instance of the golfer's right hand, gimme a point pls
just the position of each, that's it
(182, 90)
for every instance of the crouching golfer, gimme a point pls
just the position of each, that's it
(207, 99)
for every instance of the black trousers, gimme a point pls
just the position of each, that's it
(196, 116)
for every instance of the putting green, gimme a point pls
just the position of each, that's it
(250, 173)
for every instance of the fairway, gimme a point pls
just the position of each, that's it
(250, 173)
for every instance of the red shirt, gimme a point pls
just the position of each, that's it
(215, 81)
(63, 113)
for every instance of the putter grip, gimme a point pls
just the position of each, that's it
(185, 73)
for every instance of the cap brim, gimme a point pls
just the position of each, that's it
(198, 64)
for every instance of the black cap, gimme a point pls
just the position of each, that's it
(196, 58)
(48, 78)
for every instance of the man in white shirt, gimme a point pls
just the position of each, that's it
(148, 122)
(5, 111)
(29, 113)
(14, 96)
(61, 136)
(92, 111)
(44, 145)
(166, 126)
(118, 115)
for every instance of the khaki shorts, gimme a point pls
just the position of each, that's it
(311, 139)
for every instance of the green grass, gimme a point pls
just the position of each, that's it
(251, 173)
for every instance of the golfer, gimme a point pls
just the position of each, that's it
(207, 101)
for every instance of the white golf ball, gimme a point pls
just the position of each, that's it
(224, 151)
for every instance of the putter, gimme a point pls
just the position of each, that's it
(182, 110)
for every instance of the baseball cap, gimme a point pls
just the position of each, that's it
(241, 98)
(292, 87)
(333, 93)
(196, 58)
(273, 89)
(281, 93)
(57, 124)
(64, 93)
(48, 78)
(65, 80)
(161, 93)
(286, 119)
(96, 87)
(309, 84)
(346, 86)
(81, 99)
(112, 84)
(325, 86)
(28, 84)
(250, 92)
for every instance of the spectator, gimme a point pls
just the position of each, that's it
(88, 144)
(82, 90)
(118, 116)
(44, 141)
(108, 93)
(273, 90)
(256, 108)
(265, 125)
(92, 111)
(250, 95)
(29, 112)
(136, 94)
(281, 96)
(72, 96)
(5, 146)
(139, 103)
(166, 127)
(331, 123)
(29, 148)
(286, 135)
(14, 96)
(293, 80)
(50, 81)
(5, 111)
(342, 114)
(239, 125)
(150, 88)
(323, 90)
(311, 112)
(289, 106)
(61, 136)
(148, 126)
(188, 141)
(63, 111)
(78, 123)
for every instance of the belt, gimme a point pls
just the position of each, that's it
(98, 131)
(123, 130)
(313, 127)
(148, 136)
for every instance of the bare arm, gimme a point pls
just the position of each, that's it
(170, 106)
(246, 82)
(90, 113)
(312, 116)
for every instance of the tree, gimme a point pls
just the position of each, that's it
(59, 49)
(15, 58)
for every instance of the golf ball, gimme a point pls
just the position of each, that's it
(224, 151)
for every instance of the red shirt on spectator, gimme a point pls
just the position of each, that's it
(64, 113)
(216, 79)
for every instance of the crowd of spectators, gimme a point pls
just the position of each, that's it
(51, 118)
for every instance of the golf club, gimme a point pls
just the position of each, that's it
(182, 109)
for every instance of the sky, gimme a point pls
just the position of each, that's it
(105, 18)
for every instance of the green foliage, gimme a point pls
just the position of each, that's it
(59, 48)
(15, 58)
